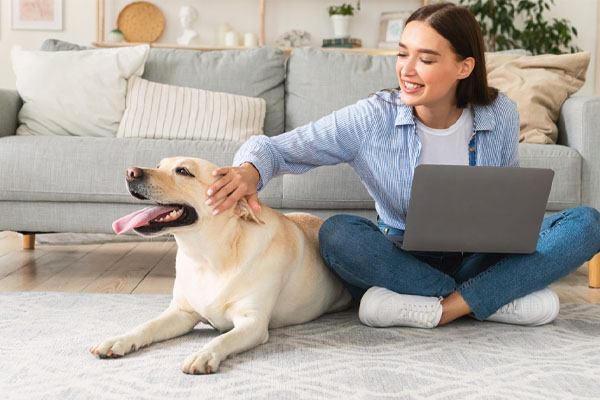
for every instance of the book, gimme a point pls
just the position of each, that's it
(342, 42)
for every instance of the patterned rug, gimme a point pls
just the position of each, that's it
(46, 337)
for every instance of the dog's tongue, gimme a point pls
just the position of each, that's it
(139, 218)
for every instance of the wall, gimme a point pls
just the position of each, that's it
(282, 15)
(78, 26)
(597, 91)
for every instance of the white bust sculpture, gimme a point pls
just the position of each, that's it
(188, 15)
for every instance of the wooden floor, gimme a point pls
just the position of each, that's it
(143, 268)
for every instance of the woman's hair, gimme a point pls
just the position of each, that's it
(458, 25)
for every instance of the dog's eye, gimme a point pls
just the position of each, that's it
(183, 171)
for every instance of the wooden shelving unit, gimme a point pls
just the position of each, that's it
(100, 37)
(286, 50)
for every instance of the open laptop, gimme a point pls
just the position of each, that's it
(462, 208)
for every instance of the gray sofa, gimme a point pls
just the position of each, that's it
(76, 184)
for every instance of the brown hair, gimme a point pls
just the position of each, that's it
(458, 25)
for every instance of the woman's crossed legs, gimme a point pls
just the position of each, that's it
(363, 257)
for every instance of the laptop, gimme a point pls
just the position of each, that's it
(458, 208)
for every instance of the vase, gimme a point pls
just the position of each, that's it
(341, 26)
(115, 36)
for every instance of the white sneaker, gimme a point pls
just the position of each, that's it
(537, 308)
(380, 308)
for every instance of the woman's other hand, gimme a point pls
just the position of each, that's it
(235, 183)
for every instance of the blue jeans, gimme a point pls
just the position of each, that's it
(361, 254)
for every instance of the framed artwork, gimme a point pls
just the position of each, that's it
(390, 28)
(37, 14)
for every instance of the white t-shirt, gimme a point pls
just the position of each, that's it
(447, 146)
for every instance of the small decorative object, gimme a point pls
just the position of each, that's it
(141, 22)
(294, 38)
(341, 17)
(231, 39)
(390, 28)
(37, 14)
(250, 40)
(188, 16)
(115, 36)
(343, 43)
(222, 29)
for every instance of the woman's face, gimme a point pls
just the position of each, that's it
(427, 67)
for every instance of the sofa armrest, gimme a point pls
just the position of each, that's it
(10, 104)
(579, 128)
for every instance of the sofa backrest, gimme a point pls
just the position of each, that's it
(257, 72)
(319, 82)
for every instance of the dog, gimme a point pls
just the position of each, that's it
(241, 272)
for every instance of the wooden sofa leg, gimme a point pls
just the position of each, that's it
(594, 271)
(29, 241)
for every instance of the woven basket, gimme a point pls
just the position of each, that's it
(141, 22)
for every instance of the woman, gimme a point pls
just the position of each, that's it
(443, 112)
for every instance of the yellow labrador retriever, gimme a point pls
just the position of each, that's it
(240, 271)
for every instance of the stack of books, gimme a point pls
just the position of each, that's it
(344, 42)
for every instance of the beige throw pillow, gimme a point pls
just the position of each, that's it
(75, 93)
(159, 111)
(539, 85)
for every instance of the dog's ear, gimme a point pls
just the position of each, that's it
(245, 212)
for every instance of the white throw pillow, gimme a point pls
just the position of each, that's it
(78, 93)
(158, 111)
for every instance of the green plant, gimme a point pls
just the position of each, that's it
(344, 9)
(497, 17)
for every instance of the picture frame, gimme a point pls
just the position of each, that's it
(391, 25)
(37, 15)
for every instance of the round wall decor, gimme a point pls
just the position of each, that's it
(141, 22)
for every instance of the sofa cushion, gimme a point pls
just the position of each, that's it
(86, 94)
(566, 163)
(313, 91)
(58, 169)
(73, 169)
(539, 85)
(257, 72)
(158, 111)
(338, 187)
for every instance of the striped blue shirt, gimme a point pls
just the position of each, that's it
(379, 141)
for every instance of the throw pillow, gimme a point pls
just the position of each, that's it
(78, 93)
(539, 85)
(158, 111)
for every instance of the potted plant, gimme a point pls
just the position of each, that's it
(115, 36)
(341, 17)
(532, 33)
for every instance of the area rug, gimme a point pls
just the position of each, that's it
(46, 337)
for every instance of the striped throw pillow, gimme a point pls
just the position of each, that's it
(159, 111)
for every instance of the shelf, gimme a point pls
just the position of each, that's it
(286, 50)
(101, 10)
(100, 39)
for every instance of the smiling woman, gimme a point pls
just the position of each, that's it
(443, 112)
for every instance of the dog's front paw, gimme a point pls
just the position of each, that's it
(202, 362)
(115, 347)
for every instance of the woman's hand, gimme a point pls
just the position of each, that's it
(235, 183)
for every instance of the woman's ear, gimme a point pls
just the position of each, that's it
(466, 67)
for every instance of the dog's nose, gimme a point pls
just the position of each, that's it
(134, 173)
